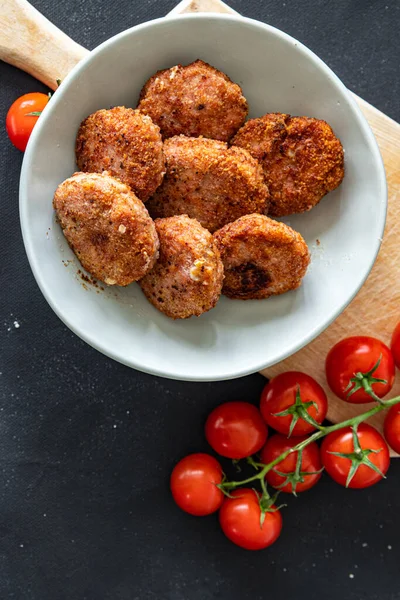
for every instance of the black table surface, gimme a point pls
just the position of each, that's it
(87, 445)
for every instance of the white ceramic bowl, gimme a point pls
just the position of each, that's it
(277, 73)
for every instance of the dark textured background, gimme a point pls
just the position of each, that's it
(87, 445)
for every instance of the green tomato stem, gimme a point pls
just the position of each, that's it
(322, 432)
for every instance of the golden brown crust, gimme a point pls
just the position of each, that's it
(209, 182)
(125, 143)
(261, 257)
(301, 157)
(187, 278)
(194, 100)
(107, 227)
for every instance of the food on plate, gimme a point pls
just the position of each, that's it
(367, 459)
(194, 483)
(194, 100)
(360, 369)
(125, 143)
(209, 182)
(107, 227)
(244, 523)
(301, 157)
(261, 257)
(187, 278)
(299, 471)
(236, 430)
(22, 117)
(392, 428)
(293, 403)
(195, 185)
(395, 345)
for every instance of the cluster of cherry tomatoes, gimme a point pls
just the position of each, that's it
(354, 454)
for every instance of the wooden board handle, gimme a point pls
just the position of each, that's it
(30, 42)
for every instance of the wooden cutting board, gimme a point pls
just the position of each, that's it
(32, 43)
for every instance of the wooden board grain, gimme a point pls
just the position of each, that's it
(32, 43)
(376, 309)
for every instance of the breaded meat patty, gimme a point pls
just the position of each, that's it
(209, 182)
(107, 227)
(194, 100)
(187, 278)
(125, 143)
(301, 157)
(261, 257)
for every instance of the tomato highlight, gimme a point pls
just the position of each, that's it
(293, 403)
(194, 484)
(360, 369)
(236, 430)
(240, 520)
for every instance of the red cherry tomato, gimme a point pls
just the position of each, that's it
(392, 428)
(342, 441)
(310, 463)
(240, 521)
(355, 355)
(194, 484)
(236, 430)
(395, 345)
(280, 394)
(19, 121)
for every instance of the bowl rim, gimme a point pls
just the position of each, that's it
(46, 287)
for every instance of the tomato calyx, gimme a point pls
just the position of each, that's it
(267, 503)
(236, 464)
(298, 410)
(364, 381)
(359, 457)
(256, 465)
(37, 113)
(297, 476)
(225, 486)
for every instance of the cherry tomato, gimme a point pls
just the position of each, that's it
(392, 428)
(194, 484)
(310, 463)
(395, 345)
(342, 441)
(19, 123)
(280, 394)
(236, 430)
(240, 521)
(359, 354)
